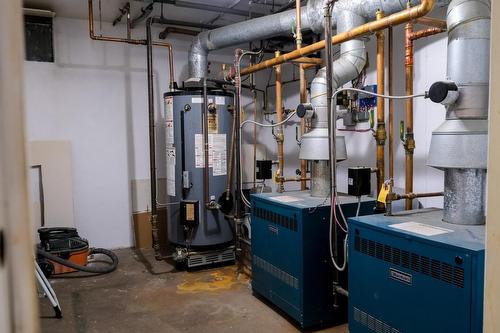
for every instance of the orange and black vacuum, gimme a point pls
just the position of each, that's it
(62, 250)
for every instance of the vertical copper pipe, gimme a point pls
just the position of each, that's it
(279, 118)
(380, 135)
(390, 66)
(303, 88)
(409, 142)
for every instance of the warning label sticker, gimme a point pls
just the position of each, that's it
(420, 228)
(171, 172)
(216, 153)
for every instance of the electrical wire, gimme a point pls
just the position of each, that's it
(268, 125)
(238, 87)
(359, 206)
(333, 192)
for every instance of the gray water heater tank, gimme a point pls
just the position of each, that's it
(185, 167)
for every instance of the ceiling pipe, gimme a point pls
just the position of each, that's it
(163, 20)
(132, 41)
(176, 30)
(401, 16)
(312, 19)
(145, 12)
(211, 8)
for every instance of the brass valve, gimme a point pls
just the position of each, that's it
(380, 134)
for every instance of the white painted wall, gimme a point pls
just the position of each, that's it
(95, 96)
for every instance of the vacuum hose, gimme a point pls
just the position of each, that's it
(89, 269)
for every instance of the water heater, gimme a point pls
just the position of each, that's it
(202, 234)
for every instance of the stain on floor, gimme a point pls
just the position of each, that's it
(144, 295)
(220, 279)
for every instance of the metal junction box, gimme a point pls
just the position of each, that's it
(413, 273)
(291, 264)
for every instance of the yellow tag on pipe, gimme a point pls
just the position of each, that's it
(275, 176)
(384, 191)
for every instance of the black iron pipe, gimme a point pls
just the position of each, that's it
(207, 7)
(331, 141)
(152, 143)
(151, 114)
(183, 151)
(237, 103)
(177, 30)
(145, 12)
(206, 166)
(187, 24)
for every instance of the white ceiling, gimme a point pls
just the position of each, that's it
(110, 9)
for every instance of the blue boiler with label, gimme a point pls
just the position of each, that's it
(291, 265)
(413, 273)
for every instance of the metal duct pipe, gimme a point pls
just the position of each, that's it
(459, 145)
(280, 24)
(239, 33)
(315, 143)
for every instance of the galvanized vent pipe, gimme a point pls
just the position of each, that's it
(282, 24)
(459, 146)
(315, 144)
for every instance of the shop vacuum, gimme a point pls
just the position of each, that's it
(62, 250)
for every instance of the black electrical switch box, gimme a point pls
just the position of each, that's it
(189, 213)
(264, 169)
(359, 181)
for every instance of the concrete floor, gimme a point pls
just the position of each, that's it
(144, 295)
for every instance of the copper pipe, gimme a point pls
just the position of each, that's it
(426, 33)
(408, 196)
(295, 179)
(409, 141)
(411, 196)
(365, 29)
(303, 87)
(380, 134)
(129, 40)
(312, 66)
(279, 118)
(390, 66)
(431, 22)
(307, 60)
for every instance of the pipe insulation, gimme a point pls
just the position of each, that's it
(460, 145)
(282, 24)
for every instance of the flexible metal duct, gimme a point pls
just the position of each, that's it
(459, 146)
(280, 24)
